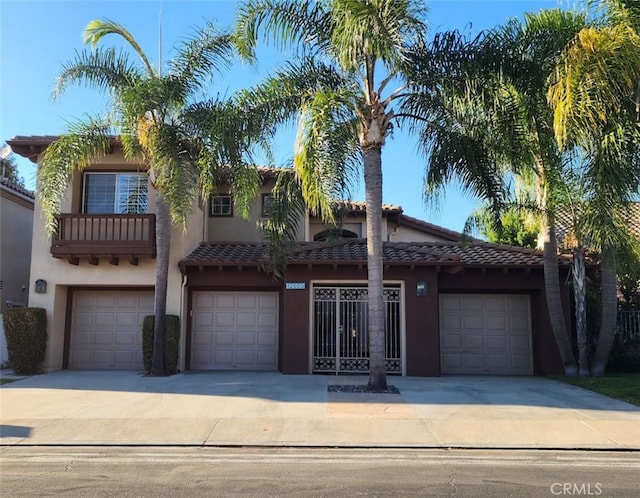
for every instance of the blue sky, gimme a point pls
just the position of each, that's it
(36, 37)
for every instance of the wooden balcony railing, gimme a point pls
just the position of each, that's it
(112, 236)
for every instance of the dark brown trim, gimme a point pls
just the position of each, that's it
(91, 169)
(67, 329)
(220, 194)
(264, 213)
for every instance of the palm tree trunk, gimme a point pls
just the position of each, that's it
(373, 194)
(609, 312)
(553, 295)
(163, 246)
(579, 295)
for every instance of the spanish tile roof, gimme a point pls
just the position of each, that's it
(631, 216)
(352, 207)
(473, 254)
(8, 184)
(436, 230)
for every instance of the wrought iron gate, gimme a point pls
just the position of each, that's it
(340, 330)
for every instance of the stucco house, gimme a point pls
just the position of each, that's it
(16, 229)
(453, 307)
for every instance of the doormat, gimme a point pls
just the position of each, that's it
(361, 388)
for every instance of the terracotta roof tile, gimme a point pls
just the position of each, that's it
(631, 217)
(361, 207)
(5, 182)
(473, 254)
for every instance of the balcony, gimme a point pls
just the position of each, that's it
(107, 236)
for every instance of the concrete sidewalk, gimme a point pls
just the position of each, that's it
(271, 409)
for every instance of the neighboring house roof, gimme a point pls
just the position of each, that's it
(14, 188)
(424, 226)
(473, 254)
(631, 217)
(357, 207)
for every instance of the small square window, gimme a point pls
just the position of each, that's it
(221, 205)
(267, 200)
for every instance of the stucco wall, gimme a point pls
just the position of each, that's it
(62, 276)
(238, 229)
(16, 228)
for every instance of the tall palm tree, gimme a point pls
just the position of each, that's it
(499, 110)
(347, 85)
(181, 143)
(596, 100)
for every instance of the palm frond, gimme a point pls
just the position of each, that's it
(103, 69)
(297, 24)
(99, 28)
(82, 144)
(327, 156)
(209, 52)
(280, 228)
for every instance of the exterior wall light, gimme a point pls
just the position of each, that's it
(422, 289)
(41, 286)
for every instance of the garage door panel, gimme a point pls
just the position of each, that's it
(268, 320)
(472, 303)
(224, 301)
(223, 338)
(103, 337)
(247, 301)
(497, 342)
(106, 328)
(451, 341)
(126, 338)
(473, 341)
(520, 342)
(470, 360)
(267, 339)
(202, 319)
(103, 319)
(224, 319)
(497, 362)
(519, 304)
(269, 302)
(127, 319)
(450, 303)
(246, 338)
(485, 334)
(246, 319)
(471, 322)
(496, 322)
(244, 327)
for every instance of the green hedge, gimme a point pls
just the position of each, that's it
(625, 355)
(171, 342)
(26, 333)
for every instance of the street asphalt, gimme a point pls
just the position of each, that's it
(271, 409)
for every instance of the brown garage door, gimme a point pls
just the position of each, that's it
(485, 334)
(234, 331)
(106, 329)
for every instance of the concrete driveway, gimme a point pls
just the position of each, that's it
(271, 409)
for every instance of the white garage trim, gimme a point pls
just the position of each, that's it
(234, 330)
(485, 334)
(106, 328)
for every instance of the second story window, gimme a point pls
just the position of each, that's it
(221, 205)
(267, 200)
(118, 193)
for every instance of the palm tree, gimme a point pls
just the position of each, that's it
(181, 143)
(347, 85)
(596, 100)
(499, 112)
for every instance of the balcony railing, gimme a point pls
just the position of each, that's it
(112, 236)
